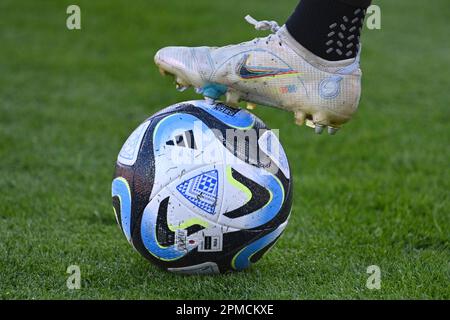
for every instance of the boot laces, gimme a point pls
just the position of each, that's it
(262, 26)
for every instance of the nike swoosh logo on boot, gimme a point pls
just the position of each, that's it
(251, 72)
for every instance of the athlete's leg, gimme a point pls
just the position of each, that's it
(329, 28)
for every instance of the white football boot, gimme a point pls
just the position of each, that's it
(274, 71)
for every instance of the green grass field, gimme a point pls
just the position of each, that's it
(375, 194)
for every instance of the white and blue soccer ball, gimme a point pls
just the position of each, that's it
(202, 188)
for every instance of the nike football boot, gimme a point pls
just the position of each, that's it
(273, 71)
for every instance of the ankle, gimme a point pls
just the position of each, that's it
(329, 28)
(305, 54)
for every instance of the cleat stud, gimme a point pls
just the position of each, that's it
(319, 118)
(210, 100)
(162, 72)
(310, 124)
(299, 118)
(214, 91)
(251, 106)
(181, 82)
(332, 130)
(180, 87)
(318, 128)
(232, 98)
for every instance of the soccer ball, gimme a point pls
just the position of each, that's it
(202, 188)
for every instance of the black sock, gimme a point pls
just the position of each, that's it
(329, 28)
